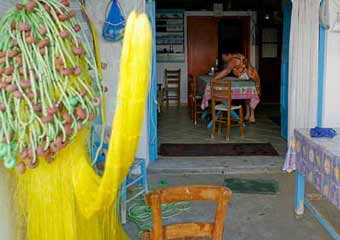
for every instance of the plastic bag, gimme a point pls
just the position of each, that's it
(113, 29)
(336, 24)
(334, 19)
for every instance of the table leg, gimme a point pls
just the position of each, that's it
(299, 193)
(329, 228)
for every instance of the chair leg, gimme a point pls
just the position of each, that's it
(220, 124)
(241, 122)
(179, 97)
(228, 125)
(190, 110)
(161, 102)
(214, 123)
(167, 98)
(195, 113)
(123, 204)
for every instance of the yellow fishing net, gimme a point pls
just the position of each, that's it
(67, 200)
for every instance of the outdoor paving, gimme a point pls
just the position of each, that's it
(253, 216)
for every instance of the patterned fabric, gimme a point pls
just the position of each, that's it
(254, 76)
(318, 159)
(244, 89)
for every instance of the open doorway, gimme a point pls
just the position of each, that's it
(196, 47)
(233, 32)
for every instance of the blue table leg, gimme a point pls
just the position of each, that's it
(300, 202)
(329, 228)
(299, 193)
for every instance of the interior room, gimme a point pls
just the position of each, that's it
(191, 38)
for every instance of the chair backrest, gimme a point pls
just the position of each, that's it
(220, 195)
(172, 77)
(220, 91)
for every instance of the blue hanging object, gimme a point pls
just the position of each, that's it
(113, 29)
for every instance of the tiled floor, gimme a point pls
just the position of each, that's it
(175, 126)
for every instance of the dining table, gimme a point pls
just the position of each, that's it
(316, 160)
(240, 88)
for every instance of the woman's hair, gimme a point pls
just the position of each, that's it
(230, 50)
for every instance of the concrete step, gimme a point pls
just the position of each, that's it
(217, 165)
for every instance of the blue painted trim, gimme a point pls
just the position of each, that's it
(287, 15)
(152, 101)
(322, 221)
(299, 193)
(322, 48)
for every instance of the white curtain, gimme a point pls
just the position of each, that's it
(303, 71)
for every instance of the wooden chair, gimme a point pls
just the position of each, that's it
(213, 231)
(172, 86)
(160, 97)
(195, 99)
(221, 101)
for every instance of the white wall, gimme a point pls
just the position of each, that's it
(331, 114)
(7, 219)
(110, 53)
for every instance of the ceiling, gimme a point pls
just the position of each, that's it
(228, 4)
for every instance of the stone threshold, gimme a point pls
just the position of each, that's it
(217, 165)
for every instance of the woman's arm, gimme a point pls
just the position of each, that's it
(225, 71)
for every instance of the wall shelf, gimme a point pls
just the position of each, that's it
(170, 35)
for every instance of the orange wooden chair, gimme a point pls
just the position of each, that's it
(221, 101)
(213, 231)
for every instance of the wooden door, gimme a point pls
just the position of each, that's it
(202, 44)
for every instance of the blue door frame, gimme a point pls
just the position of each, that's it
(322, 55)
(150, 7)
(285, 71)
(287, 12)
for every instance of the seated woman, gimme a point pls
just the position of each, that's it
(237, 66)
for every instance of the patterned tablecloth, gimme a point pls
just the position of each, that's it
(241, 89)
(318, 159)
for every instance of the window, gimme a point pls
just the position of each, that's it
(270, 43)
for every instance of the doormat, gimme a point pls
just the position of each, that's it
(258, 186)
(219, 149)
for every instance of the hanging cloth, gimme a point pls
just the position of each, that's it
(303, 72)
(113, 29)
